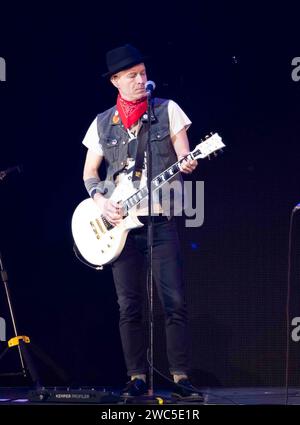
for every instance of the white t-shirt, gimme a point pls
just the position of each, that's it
(177, 118)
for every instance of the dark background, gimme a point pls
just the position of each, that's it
(229, 67)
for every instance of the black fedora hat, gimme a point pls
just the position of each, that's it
(121, 58)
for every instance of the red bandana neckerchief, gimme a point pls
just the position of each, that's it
(131, 111)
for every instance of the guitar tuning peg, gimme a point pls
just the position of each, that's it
(221, 150)
(208, 156)
(215, 153)
(207, 136)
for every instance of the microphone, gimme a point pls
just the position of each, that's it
(150, 87)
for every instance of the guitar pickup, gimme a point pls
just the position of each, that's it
(95, 230)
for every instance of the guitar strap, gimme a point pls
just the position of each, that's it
(141, 148)
(139, 158)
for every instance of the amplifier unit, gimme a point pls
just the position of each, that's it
(69, 395)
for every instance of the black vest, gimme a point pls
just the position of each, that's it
(114, 139)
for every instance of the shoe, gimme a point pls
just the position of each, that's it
(184, 390)
(134, 388)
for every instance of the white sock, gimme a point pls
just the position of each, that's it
(177, 378)
(139, 376)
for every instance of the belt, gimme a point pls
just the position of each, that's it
(155, 219)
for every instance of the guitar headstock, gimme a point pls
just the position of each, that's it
(210, 145)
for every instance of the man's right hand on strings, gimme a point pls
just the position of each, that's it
(111, 210)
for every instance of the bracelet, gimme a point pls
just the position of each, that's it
(93, 193)
(91, 185)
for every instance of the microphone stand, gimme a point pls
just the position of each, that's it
(27, 367)
(4, 278)
(150, 242)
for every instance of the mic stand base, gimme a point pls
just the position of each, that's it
(147, 399)
(24, 346)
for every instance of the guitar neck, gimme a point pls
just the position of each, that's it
(156, 183)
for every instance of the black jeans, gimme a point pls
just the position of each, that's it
(167, 273)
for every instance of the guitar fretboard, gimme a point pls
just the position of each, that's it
(204, 149)
(157, 182)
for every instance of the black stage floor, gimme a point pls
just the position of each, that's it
(213, 396)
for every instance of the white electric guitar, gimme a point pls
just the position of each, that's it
(101, 243)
